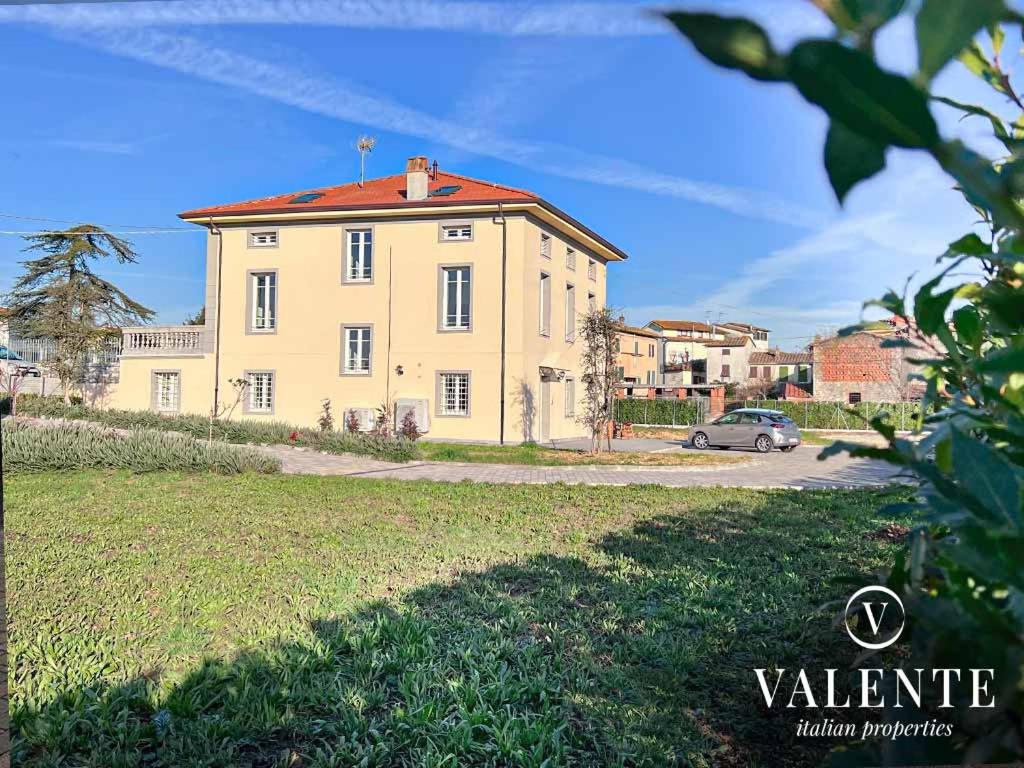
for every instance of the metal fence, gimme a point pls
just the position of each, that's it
(662, 411)
(41, 351)
(817, 414)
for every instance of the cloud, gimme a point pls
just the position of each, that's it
(581, 19)
(351, 103)
(104, 147)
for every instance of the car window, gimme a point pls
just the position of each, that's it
(749, 418)
(778, 418)
(729, 418)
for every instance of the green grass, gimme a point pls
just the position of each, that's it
(531, 453)
(168, 619)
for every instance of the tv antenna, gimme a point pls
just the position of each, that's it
(364, 145)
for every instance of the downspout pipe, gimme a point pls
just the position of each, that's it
(504, 296)
(215, 230)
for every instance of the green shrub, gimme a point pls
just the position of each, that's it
(667, 411)
(81, 446)
(815, 414)
(244, 432)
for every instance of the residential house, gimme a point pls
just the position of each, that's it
(638, 356)
(789, 373)
(684, 354)
(455, 298)
(758, 335)
(727, 359)
(860, 367)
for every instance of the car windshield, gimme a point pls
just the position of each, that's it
(8, 354)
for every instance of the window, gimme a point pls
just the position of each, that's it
(650, 350)
(307, 197)
(621, 373)
(545, 246)
(749, 418)
(591, 302)
(357, 348)
(261, 392)
(263, 302)
(570, 259)
(854, 398)
(456, 292)
(264, 238)
(650, 378)
(725, 371)
(457, 232)
(803, 374)
(766, 371)
(753, 372)
(783, 371)
(570, 398)
(167, 391)
(636, 347)
(359, 259)
(729, 418)
(545, 304)
(726, 352)
(453, 394)
(592, 269)
(570, 312)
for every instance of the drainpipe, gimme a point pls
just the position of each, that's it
(215, 230)
(504, 290)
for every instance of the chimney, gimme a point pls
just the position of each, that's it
(622, 319)
(416, 178)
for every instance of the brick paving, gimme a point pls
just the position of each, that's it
(799, 469)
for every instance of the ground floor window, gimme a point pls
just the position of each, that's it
(357, 349)
(260, 397)
(167, 391)
(570, 398)
(453, 393)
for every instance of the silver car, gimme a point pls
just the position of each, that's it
(757, 428)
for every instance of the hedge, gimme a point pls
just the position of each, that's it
(654, 411)
(65, 446)
(246, 432)
(813, 414)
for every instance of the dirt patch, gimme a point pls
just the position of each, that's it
(890, 532)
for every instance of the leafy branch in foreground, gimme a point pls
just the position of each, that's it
(960, 576)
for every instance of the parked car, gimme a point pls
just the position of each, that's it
(11, 362)
(757, 428)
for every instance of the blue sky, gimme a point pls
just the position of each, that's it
(126, 114)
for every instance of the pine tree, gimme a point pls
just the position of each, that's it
(59, 297)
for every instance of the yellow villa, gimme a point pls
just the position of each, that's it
(451, 297)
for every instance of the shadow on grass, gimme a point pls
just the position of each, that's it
(643, 656)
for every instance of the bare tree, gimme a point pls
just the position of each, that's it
(599, 334)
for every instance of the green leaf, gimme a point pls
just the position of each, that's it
(998, 126)
(1003, 361)
(891, 302)
(733, 43)
(980, 183)
(946, 27)
(970, 245)
(968, 327)
(977, 62)
(850, 158)
(987, 476)
(930, 308)
(855, 91)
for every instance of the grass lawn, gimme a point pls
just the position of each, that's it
(537, 455)
(168, 619)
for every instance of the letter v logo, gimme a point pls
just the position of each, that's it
(875, 622)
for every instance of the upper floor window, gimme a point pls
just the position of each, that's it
(783, 371)
(357, 349)
(592, 269)
(457, 232)
(263, 300)
(261, 391)
(263, 238)
(545, 245)
(803, 374)
(545, 304)
(570, 312)
(570, 259)
(359, 255)
(726, 352)
(650, 350)
(854, 398)
(591, 302)
(725, 371)
(456, 294)
(636, 347)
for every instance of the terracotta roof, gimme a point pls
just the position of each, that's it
(385, 192)
(388, 192)
(637, 331)
(746, 327)
(777, 357)
(729, 341)
(681, 325)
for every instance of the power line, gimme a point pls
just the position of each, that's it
(25, 232)
(126, 226)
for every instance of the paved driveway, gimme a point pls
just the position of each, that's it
(798, 469)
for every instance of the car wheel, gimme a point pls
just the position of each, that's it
(700, 441)
(787, 448)
(763, 444)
